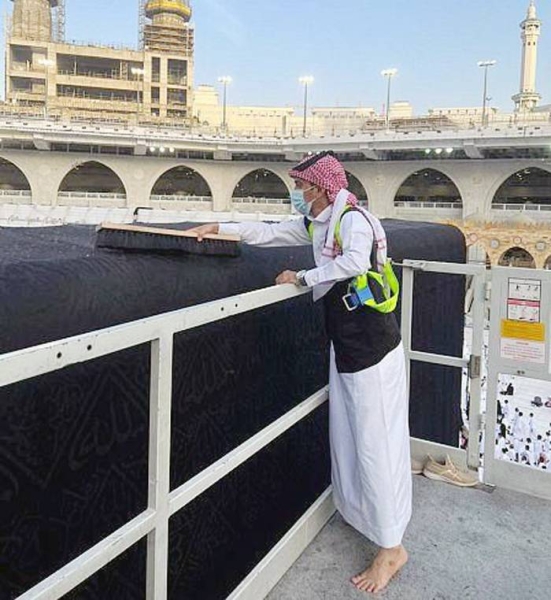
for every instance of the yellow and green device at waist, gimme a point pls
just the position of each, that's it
(377, 290)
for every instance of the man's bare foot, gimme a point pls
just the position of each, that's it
(386, 564)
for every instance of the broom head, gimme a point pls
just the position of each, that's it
(143, 238)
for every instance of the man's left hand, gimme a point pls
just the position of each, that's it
(287, 277)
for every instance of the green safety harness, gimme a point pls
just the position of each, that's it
(377, 290)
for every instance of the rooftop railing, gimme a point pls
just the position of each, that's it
(448, 205)
(92, 195)
(179, 198)
(14, 114)
(522, 207)
(251, 200)
(16, 193)
(98, 75)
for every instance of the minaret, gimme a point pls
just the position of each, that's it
(168, 13)
(169, 45)
(528, 98)
(32, 19)
(169, 29)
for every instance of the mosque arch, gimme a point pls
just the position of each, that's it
(180, 182)
(14, 185)
(517, 257)
(12, 177)
(92, 177)
(547, 264)
(356, 187)
(261, 185)
(526, 187)
(428, 186)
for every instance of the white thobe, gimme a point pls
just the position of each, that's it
(524, 428)
(501, 443)
(518, 429)
(368, 410)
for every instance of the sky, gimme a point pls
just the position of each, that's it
(266, 46)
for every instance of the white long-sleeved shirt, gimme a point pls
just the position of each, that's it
(357, 242)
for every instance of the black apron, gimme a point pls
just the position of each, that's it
(362, 337)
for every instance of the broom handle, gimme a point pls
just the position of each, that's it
(164, 231)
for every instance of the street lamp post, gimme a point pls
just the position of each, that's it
(138, 73)
(485, 64)
(46, 63)
(306, 81)
(389, 74)
(225, 80)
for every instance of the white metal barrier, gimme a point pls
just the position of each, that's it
(422, 448)
(163, 503)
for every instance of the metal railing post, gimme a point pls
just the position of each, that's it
(159, 465)
(407, 312)
(474, 371)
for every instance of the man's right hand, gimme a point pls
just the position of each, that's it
(204, 230)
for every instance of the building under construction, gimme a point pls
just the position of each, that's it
(72, 80)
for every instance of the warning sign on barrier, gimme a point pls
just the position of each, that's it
(522, 341)
(524, 300)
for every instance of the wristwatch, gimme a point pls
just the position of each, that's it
(301, 278)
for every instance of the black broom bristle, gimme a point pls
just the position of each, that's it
(151, 239)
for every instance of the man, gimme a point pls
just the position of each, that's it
(538, 448)
(547, 442)
(500, 447)
(527, 455)
(368, 406)
(520, 430)
(505, 410)
(514, 420)
(531, 425)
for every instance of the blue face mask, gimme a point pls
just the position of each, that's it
(299, 202)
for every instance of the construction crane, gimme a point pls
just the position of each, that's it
(58, 23)
(141, 24)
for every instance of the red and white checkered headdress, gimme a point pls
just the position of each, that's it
(325, 171)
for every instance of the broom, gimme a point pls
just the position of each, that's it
(157, 239)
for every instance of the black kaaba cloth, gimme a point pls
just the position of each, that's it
(73, 444)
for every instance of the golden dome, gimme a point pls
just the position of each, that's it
(176, 7)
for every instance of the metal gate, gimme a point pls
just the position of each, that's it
(518, 378)
(476, 286)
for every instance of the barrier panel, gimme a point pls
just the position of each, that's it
(518, 412)
(153, 523)
(518, 348)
